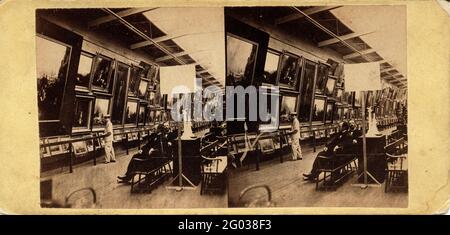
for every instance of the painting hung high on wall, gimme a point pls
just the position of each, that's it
(120, 93)
(52, 64)
(271, 68)
(322, 76)
(331, 83)
(241, 60)
(306, 90)
(289, 69)
(101, 73)
(83, 77)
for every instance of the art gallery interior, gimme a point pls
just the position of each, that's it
(303, 51)
(95, 63)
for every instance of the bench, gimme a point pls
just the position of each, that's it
(150, 173)
(335, 171)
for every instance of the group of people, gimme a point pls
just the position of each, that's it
(340, 148)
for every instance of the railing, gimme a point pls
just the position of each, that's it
(95, 137)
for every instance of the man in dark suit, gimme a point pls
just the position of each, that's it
(340, 142)
(146, 157)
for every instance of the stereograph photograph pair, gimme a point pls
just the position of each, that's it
(347, 78)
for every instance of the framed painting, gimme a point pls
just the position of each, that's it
(240, 60)
(266, 145)
(54, 149)
(79, 148)
(83, 78)
(143, 89)
(339, 93)
(101, 108)
(64, 147)
(82, 113)
(329, 112)
(45, 151)
(89, 144)
(329, 88)
(141, 115)
(318, 109)
(131, 112)
(288, 105)
(151, 116)
(307, 90)
(101, 73)
(271, 67)
(120, 93)
(289, 69)
(322, 76)
(52, 65)
(135, 77)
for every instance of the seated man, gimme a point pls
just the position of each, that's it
(339, 143)
(151, 149)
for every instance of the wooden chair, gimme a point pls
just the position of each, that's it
(397, 169)
(213, 169)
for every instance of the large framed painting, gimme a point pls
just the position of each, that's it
(83, 77)
(131, 112)
(82, 113)
(271, 67)
(329, 88)
(318, 109)
(289, 69)
(101, 108)
(120, 93)
(52, 65)
(307, 90)
(288, 105)
(152, 76)
(135, 77)
(329, 112)
(240, 60)
(141, 115)
(102, 69)
(322, 76)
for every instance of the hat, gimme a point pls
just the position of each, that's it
(107, 116)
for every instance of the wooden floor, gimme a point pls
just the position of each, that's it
(110, 194)
(290, 190)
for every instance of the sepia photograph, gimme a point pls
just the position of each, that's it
(334, 147)
(106, 131)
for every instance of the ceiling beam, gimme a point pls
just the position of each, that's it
(343, 37)
(309, 11)
(168, 57)
(137, 45)
(387, 70)
(124, 13)
(354, 54)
